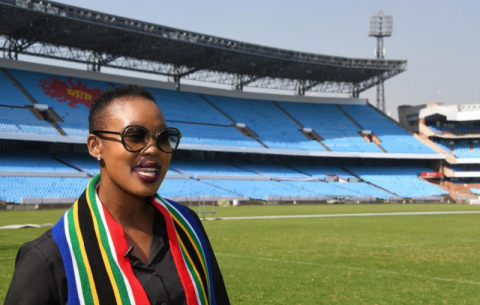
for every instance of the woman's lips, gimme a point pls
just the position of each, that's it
(147, 174)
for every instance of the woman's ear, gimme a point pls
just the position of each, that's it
(93, 144)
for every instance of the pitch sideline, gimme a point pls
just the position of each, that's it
(344, 215)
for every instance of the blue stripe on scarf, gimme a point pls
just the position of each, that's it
(58, 233)
(193, 222)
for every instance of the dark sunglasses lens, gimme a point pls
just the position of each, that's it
(135, 138)
(168, 139)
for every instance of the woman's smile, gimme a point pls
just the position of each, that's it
(148, 171)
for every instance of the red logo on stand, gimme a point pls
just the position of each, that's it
(74, 93)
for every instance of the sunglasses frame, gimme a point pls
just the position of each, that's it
(155, 136)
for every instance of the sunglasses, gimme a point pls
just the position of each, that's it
(135, 138)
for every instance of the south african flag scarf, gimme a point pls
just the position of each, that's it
(93, 246)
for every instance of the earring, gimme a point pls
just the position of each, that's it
(99, 157)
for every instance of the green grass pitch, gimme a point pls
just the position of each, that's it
(422, 259)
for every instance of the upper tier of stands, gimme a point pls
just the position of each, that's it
(208, 120)
(337, 131)
(273, 127)
(462, 148)
(69, 97)
(394, 138)
(454, 128)
(10, 95)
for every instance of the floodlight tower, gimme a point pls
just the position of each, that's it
(381, 25)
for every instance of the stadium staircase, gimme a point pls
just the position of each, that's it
(460, 192)
(375, 139)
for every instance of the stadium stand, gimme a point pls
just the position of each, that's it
(13, 189)
(338, 132)
(69, 97)
(390, 178)
(31, 161)
(203, 167)
(272, 126)
(394, 138)
(22, 121)
(174, 104)
(10, 95)
(213, 135)
(320, 170)
(191, 188)
(210, 122)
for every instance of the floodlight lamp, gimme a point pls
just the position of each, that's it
(113, 19)
(381, 25)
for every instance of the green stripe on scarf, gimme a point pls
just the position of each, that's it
(119, 280)
(87, 292)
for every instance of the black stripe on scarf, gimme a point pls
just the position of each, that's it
(99, 271)
(194, 256)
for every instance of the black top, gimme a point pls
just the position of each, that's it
(40, 278)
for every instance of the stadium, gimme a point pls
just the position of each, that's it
(238, 147)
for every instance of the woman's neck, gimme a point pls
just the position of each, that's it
(126, 209)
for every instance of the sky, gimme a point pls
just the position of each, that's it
(439, 39)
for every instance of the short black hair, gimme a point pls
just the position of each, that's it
(105, 98)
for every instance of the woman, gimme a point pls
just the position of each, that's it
(121, 243)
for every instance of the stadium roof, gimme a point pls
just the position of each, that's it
(59, 31)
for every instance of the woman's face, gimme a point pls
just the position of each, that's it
(136, 173)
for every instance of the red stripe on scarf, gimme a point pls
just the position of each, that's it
(120, 243)
(188, 286)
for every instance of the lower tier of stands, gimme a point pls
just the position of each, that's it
(402, 181)
(262, 180)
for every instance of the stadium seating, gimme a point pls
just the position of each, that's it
(201, 134)
(357, 189)
(32, 161)
(22, 121)
(394, 138)
(174, 105)
(69, 97)
(338, 132)
(203, 167)
(202, 124)
(191, 187)
(10, 95)
(475, 191)
(270, 169)
(319, 170)
(273, 127)
(390, 178)
(12, 189)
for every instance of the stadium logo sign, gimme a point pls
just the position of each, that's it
(69, 91)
